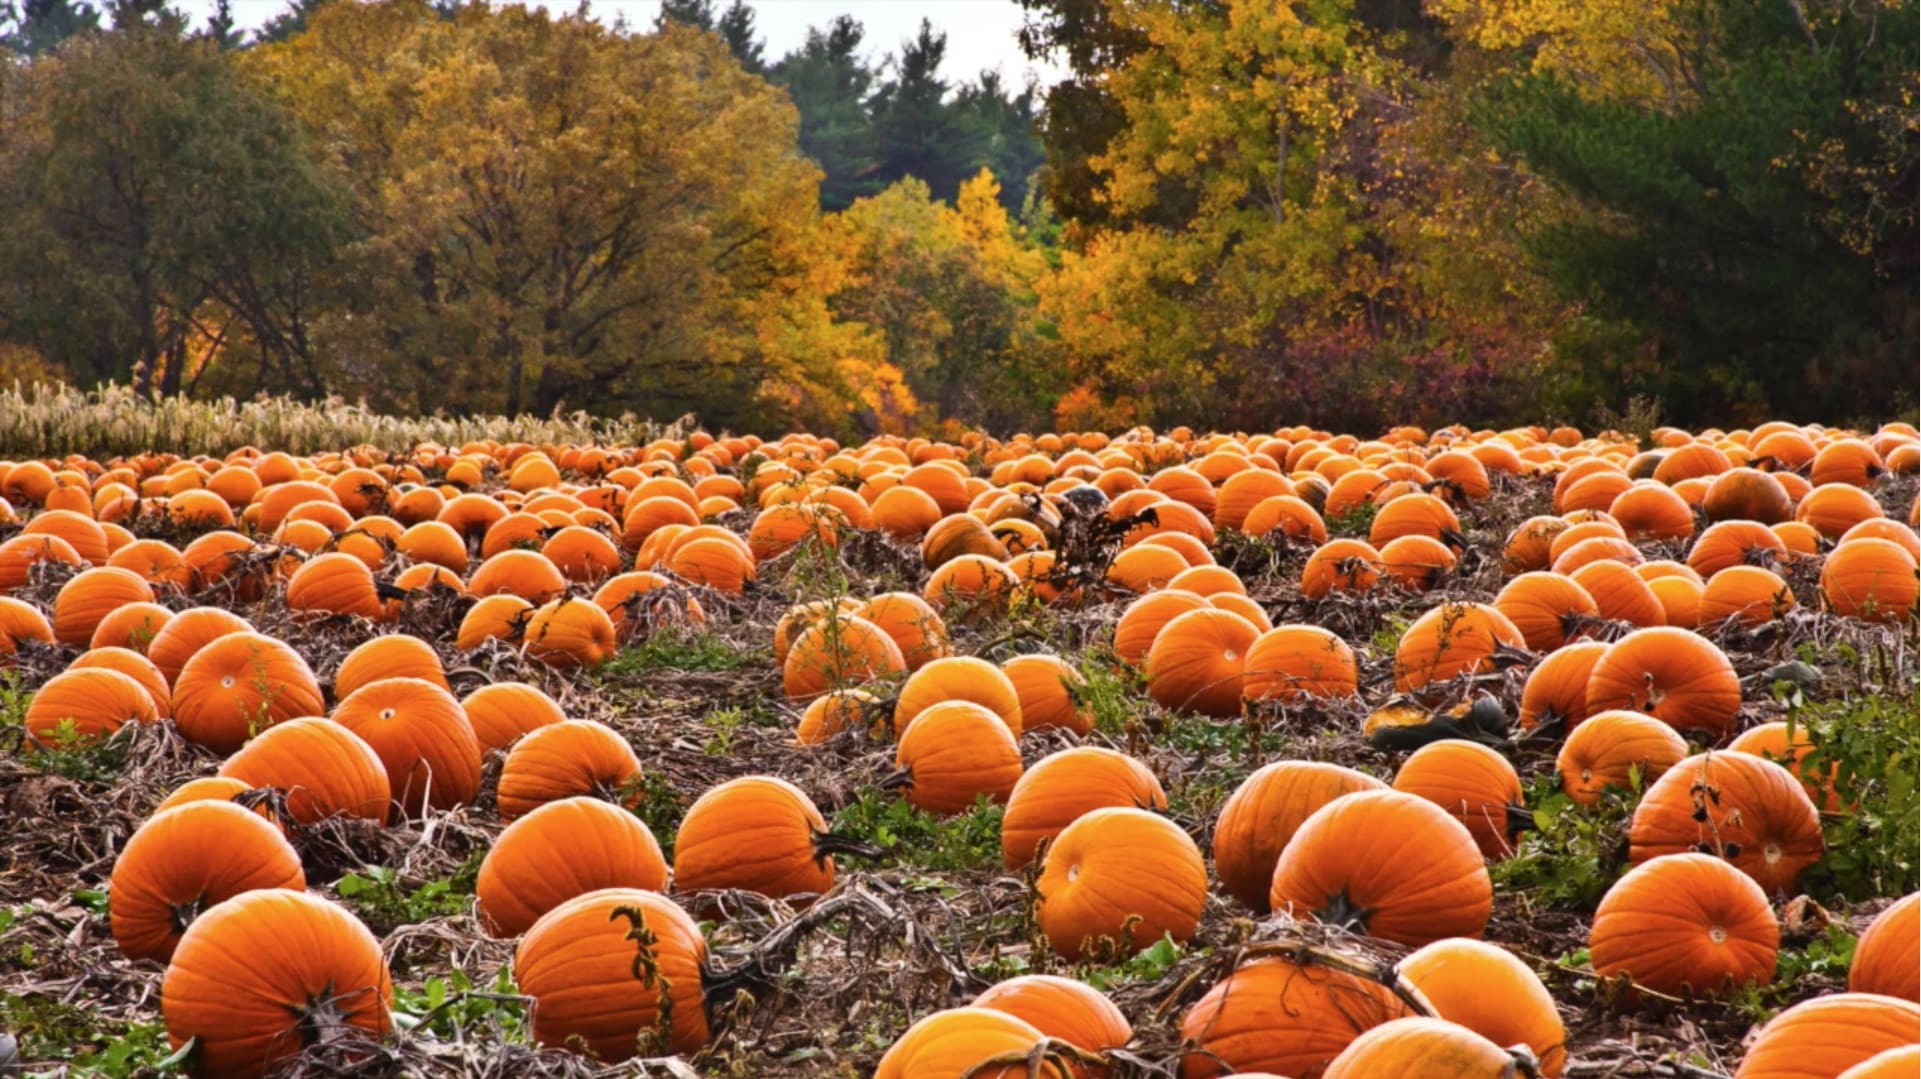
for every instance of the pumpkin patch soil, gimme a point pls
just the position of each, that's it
(833, 986)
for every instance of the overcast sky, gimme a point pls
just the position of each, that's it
(980, 33)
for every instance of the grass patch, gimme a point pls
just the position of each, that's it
(54, 1033)
(379, 895)
(1573, 854)
(669, 651)
(915, 838)
(1873, 748)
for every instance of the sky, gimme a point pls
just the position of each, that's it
(980, 33)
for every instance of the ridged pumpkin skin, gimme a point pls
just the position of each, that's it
(1609, 747)
(955, 752)
(337, 583)
(1290, 662)
(133, 625)
(571, 632)
(1421, 1048)
(501, 713)
(1548, 608)
(755, 833)
(1474, 784)
(1486, 989)
(249, 973)
(579, 964)
(1902, 1063)
(189, 858)
(1048, 688)
(395, 655)
(86, 705)
(1119, 879)
(239, 684)
(1061, 787)
(1389, 865)
(1198, 660)
(1872, 579)
(957, 1041)
(1685, 922)
(187, 633)
(1885, 959)
(1555, 694)
(561, 850)
(1063, 1008)
(831, 654)
(958, 678)
(1259, 819)
(913, 624)
(499, 617)
(1141, 623)
(323, 768)
(22, 621)
(1449, 641)
(1671, 674)
(422, 738)
(1825, 1036)
(564, 760)
(1279, 1016)
(1749, 810)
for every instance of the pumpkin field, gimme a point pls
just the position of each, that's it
(528, 750)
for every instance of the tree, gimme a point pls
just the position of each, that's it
(140, 182)
(33, 27)
(1081, 116)
(288, 22)
(1013, 148)
(698, 14)
(736, 28)
(829, 83)
(918, 132)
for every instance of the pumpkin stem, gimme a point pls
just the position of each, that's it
(897, 780)
(323, 1021)
(1519, 819)
(1341, 911)
(827, 844)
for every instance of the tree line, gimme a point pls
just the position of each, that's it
(1354, 212)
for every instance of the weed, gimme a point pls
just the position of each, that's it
(916, 838)
(447, 1006)
(378, 893)
(1109, 696)
(1574, 853)
(51, 1031)
(1147, 965)
(652, 799)
(1873, 748)
(1355, 522)
(671, 651)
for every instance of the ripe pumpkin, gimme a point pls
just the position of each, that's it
(571, 632)
(1064, 786)
(422, 738)
(832, 713)
(396, 655)
(1342, 565)
(1888, 1064)
(1259, 819)
(1048, 688)
(561, 850)
(616, 972)
(1836, 507)
(960, 1041)
(1554, 697)
(1685, 922)
(1548, 608)
(1475, 785)
(89, 597)
(1675, 676)
(1735, 543)
(1197, 662)
(1747, 494)
(323, 768)
(1422, 1048)
(516, 572)
(1885, 960)
(1529, 547)
(1620, 593)
(1871, 579)
(1736, 806)
(914, 625)
(501, 713)
(958, 678)
(974, 586)
(208, 789)
(134, 666)
(1484, 988)
(1748, 594)
(1141, 622)
(1290, 662)
(1828, 1035)
(265, 974)
(336, 583)
(131, 626)
(563, 760)
(21, 621)
(756, 833)
(189, 858)
(501, 617)
(21, 553)
(1116, 880)
(186, 633)
(1774, 742)
(240, 684)
(1061, 1008)
(836, 652)
(1281, 1015)
(1610, 749)
(1450, 641)
(955, 752)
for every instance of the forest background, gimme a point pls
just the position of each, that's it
(1233, 213)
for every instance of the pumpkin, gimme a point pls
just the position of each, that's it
(238, 685)
(755, 833)
(1116, 880)
(1872, 579)
(1061, 1008)
(1620, 593)
(1749, 595)
(1685, 922)
(1290, 662)
(1259, 819)
(134, 666)
(1282, 1015)
(717, 563)
(500, 617)
(323, 768)
(571, 632)
(1618, 749)
(958, 535)
(835, 652)
(89, 597)
(336, 583)
(1680, 599)
(1475, 785)
(830, 714)
(1836, 507)
(208, 789)
(1885, 960)
(1048, 689)
(1342, 565)
(1529, 546)
(1737, 806)
(1776, 742)
(186, 859)
(1197, 662)
(422, 738)
(131, 626)
(501, 713)
(914, 625)
(904, 512)
(1735, 543)
(1386, 864)
(517, 572)
(1747, 494)
(1288, 516)
(396, 655)
(563, 760)
(156, 561)
(1554, 698)
(22, 621)
(1484, 988)
(616, 972)
(1548, 609)
(563, 849)
(953, 753)
(1141, 622)
(1422, 1048)
(1650, 510)
(267, 973)
(974, 585)
(1417, 563)
(958, 678)
(582, 554)
(1062, 787)
(78, 530)
(961, 1041)
(1675, 676)
(1898, 1063)
(1450, 641)
(187, 633)
(21, 553)
(1823, 1037)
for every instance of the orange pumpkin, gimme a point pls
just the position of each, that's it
(1618, 749)
(396, 655)
(1828, 1035)
(1484, 988)
(560, 851)
(1259, 819)
(1048, 689)
(1281, 1015)
(838, 651)
(1198, 660)
(758, 834)
(1871, 579)
(1452, 640)
(1062, 787)
(1475, 785)
(501, 713)
(1736, 806)
(953, 753)
(186, 859)
(1061, 1008)
(90, 596)
(422, 738)
(962, 1041)
(563, 760)
(323, 768)
(1675, 676)
(1885, 959)
(615, 972)
(1685, 921)
(1555, 695)
(239, 684)
(958, 678)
